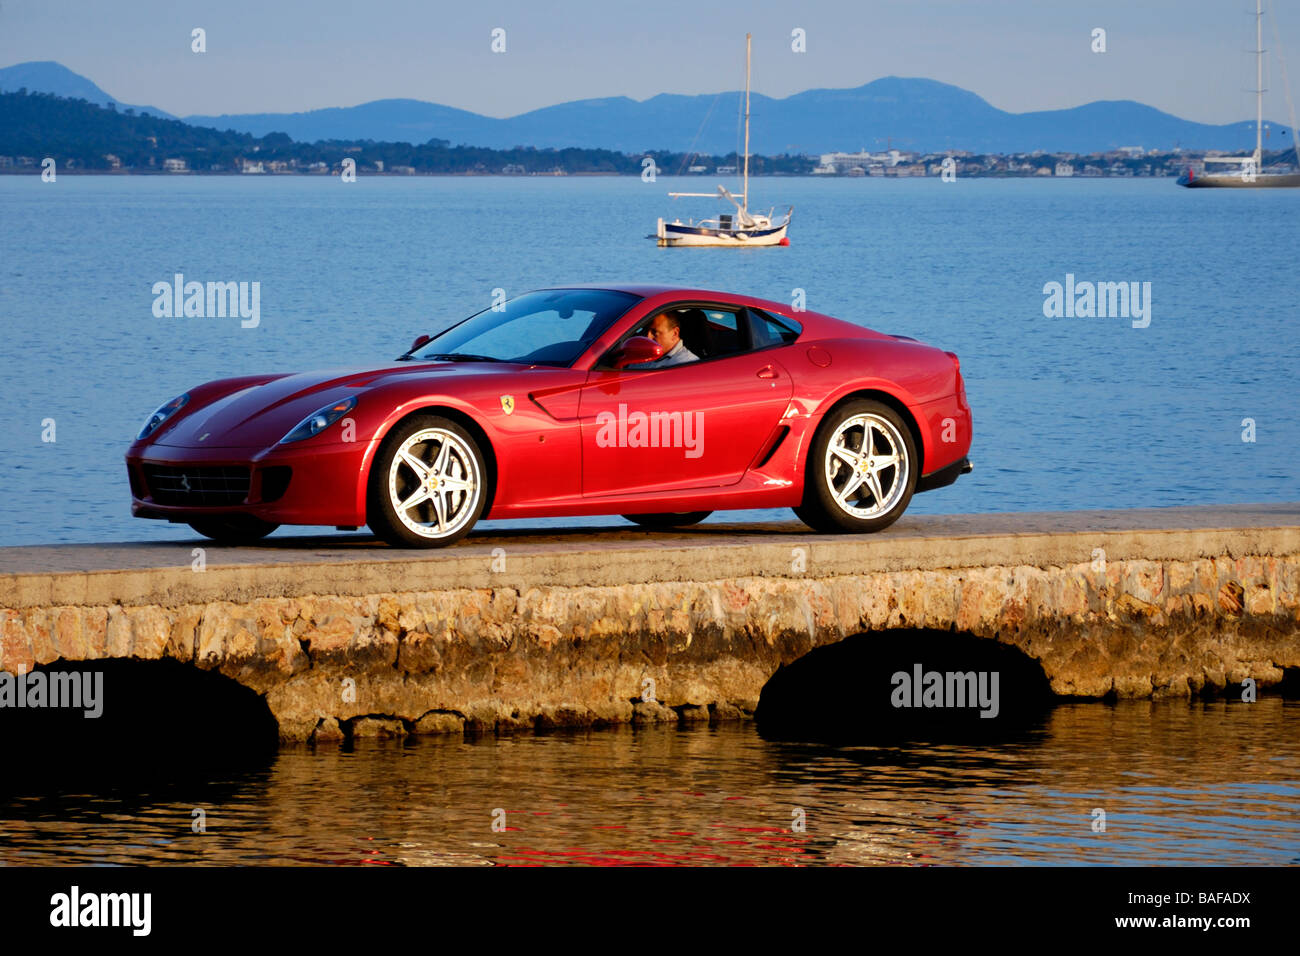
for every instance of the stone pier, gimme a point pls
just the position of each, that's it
(591, 626)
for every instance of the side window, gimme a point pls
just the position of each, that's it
(724, 332)
(769, 330)
(706, 332)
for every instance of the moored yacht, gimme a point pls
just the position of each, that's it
(1250, 175)
(741, 228)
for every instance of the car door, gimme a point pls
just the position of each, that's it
(695, 425)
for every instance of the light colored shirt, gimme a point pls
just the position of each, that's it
(677, 355)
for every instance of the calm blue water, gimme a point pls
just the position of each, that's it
(1069, 413)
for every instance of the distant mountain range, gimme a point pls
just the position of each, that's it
(46, 76)
(908, 113)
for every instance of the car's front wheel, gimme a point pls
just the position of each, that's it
(234, 529)
(862, 469)
(676, 519)
(427, 484)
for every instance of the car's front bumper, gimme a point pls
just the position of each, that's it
(313, 485)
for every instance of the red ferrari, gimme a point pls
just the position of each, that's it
(660, 404)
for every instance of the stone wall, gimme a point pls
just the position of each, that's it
(569, 655)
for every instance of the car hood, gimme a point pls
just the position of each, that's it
(258, 416)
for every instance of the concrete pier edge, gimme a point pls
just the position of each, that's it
(604, 557)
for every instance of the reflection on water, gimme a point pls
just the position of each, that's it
(1206, 783)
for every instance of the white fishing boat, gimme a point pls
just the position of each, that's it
(1251, 175)
(741, 228)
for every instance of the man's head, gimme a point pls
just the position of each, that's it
(666, 330)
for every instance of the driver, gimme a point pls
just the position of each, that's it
(666, 330)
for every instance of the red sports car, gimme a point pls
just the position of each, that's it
(660, 404)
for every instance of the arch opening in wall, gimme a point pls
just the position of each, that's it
(128, 723)
(904, 685)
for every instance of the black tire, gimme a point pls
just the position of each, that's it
(664, 520)
(233, 529)
(862, 512)
(391, 474)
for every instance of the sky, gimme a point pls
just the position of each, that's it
(1187, 57)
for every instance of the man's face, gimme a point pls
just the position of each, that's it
(665, 333)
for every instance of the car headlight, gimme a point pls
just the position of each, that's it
(319, 420)
(163, 413)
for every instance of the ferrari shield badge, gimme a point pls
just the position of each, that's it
(507, 403)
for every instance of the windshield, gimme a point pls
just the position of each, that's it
(552, 327)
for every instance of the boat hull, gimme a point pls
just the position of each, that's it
(1235, 181)
(677, 234)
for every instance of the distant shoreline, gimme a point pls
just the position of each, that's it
(39, 131)
(370, 174)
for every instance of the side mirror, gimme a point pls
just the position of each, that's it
(419, 340)
(639, 348)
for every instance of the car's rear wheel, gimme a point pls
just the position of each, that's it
(427, 484)
(234, 529)
(862, 469)
(676, 519)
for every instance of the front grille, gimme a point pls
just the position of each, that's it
(194, 485)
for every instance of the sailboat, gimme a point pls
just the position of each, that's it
(1250, 175)
(741, 228)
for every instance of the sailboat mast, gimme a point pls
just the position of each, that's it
(745, 185)
(1259, 85)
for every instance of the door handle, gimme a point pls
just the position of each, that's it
(767, 371)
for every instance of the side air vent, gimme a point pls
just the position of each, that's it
(777, 439)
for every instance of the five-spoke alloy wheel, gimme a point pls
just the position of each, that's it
(427, 484)
(862, 469)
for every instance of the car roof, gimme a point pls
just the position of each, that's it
(671, 292)
(641, 289)
(815, 322)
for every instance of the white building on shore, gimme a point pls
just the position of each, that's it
(844, 163)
